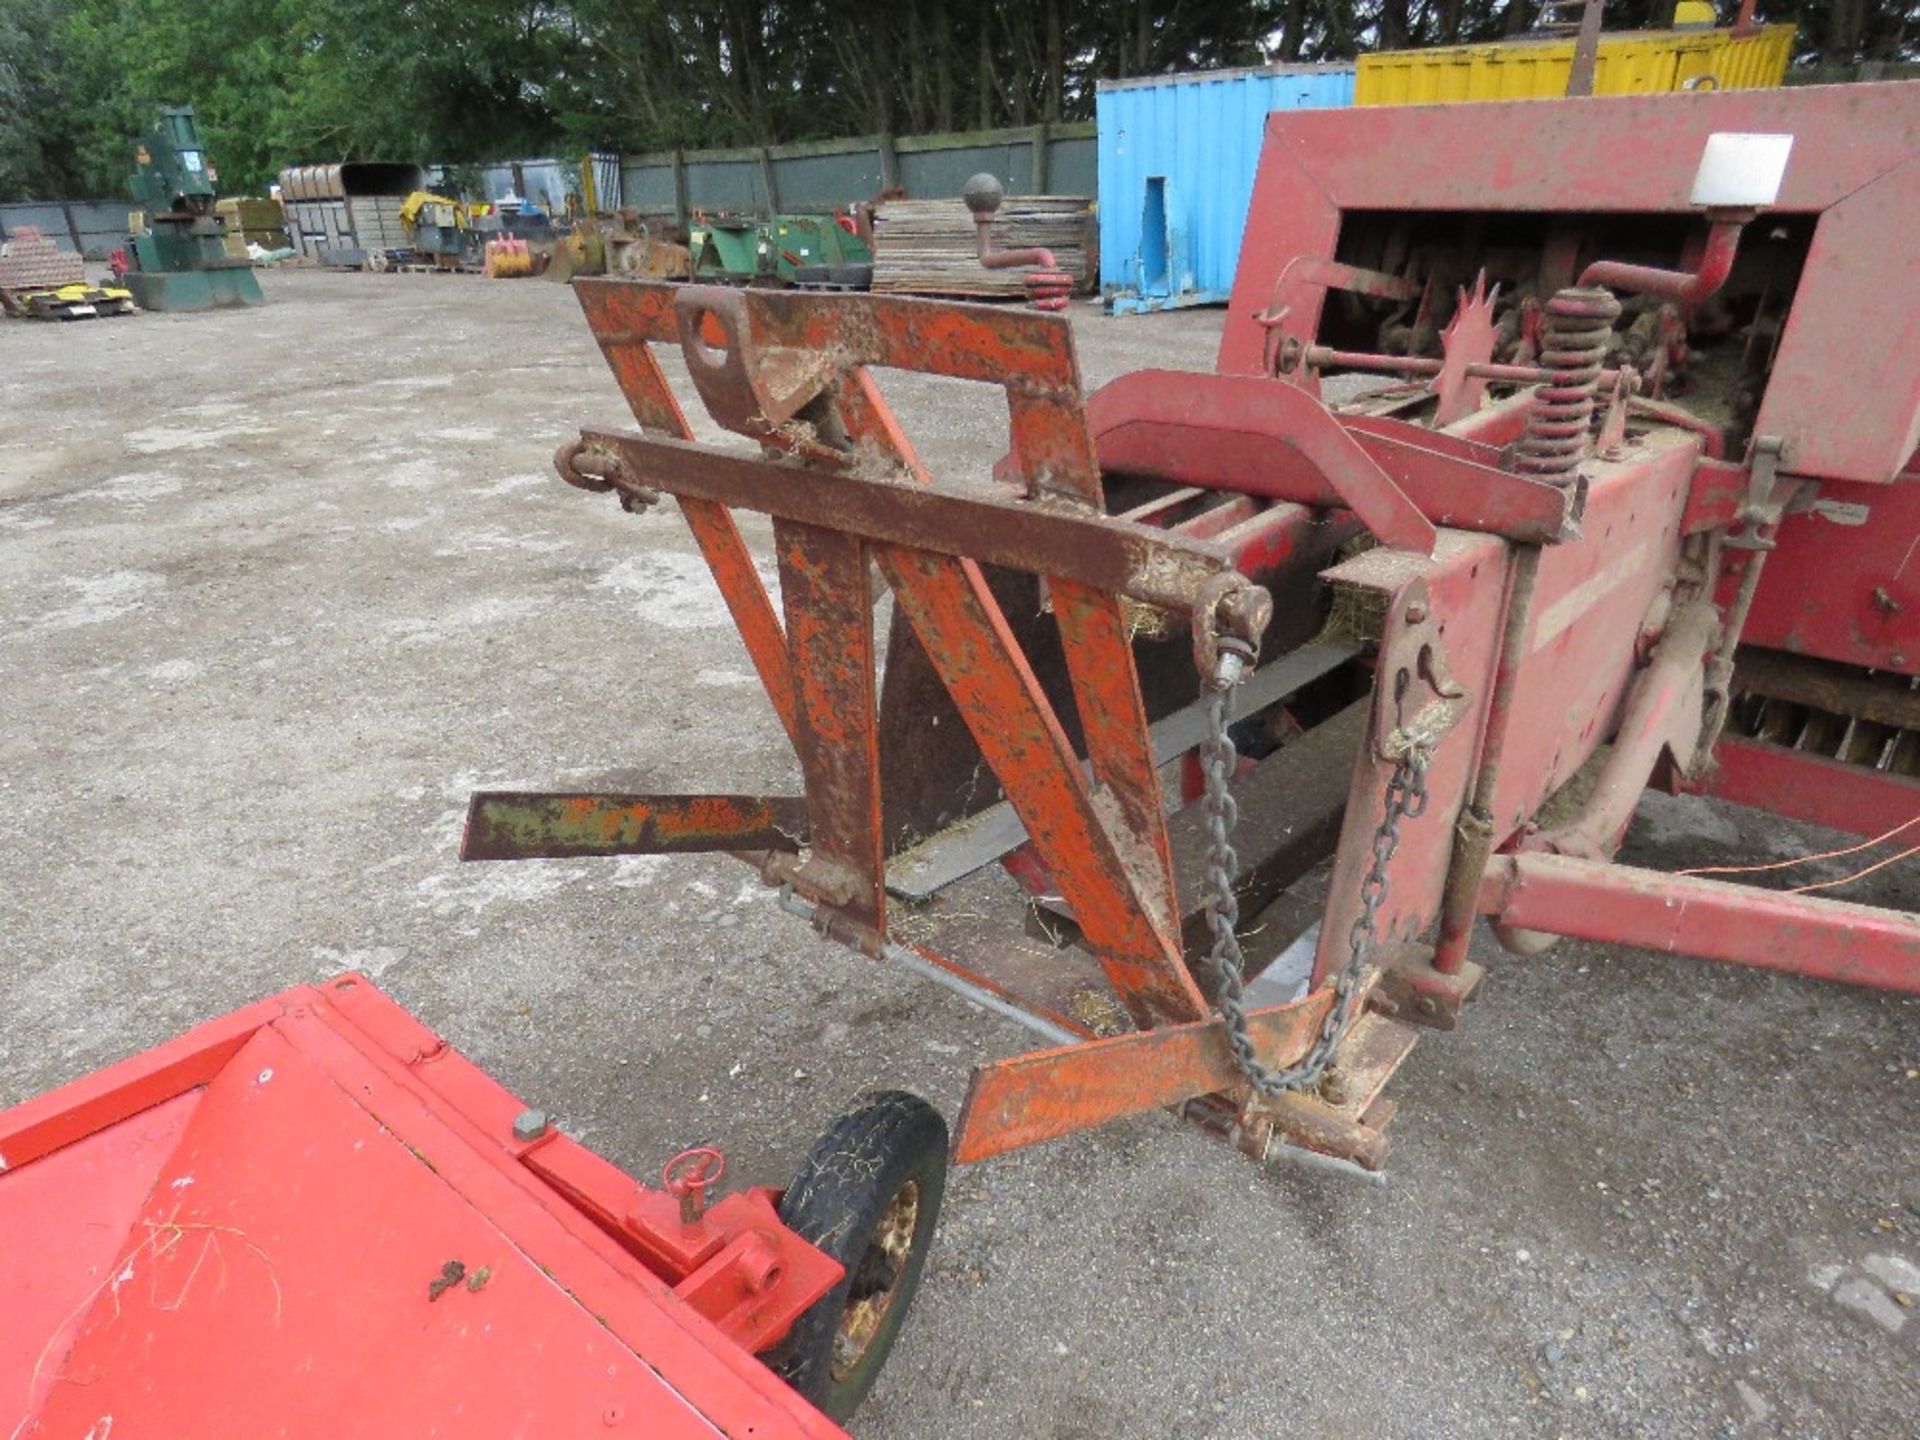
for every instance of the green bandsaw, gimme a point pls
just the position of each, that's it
(178, 261)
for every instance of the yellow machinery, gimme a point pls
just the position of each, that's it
(439, 229)
(67, 302)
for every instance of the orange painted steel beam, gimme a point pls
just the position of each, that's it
(1103, 878)
(747, 600)
(1049, 1093)
(995, 525)
(1113, 717)
(625, 319)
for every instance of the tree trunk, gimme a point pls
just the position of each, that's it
(1393, 24)
(919, 93)
(942, 68)
(1293, 30)
(1842, 42)
(985, 114)
(1056, 62)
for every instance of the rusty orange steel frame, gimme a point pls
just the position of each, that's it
(1559, 628)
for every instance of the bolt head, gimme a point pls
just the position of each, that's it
(1416, 612)
(531, 1124)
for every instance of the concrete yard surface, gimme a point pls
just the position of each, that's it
(279, 588)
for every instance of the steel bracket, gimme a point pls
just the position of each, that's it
(749, 388)
(1764, 501)
(1416, 700)
(1414, 993)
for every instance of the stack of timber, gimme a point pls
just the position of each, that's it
(251, 219)
(930, 247)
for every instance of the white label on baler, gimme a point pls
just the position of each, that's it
(1841, 512)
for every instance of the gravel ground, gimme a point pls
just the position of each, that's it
(279, 588)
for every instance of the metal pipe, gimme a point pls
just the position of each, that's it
(1706, 919)
(966, 989)
(1662, 712)
(1321, 358)
(1713, 439)
(1688, 287)
(1047, 285)
(993, 259)
(1473, 833)
(1719, 694)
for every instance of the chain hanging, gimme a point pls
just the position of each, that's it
(1406, 800)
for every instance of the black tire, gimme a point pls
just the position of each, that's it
(878, 1171)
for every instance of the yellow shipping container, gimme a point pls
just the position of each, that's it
(1631, 62)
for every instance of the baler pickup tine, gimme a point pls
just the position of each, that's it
(531, 825)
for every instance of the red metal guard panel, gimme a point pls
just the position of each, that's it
(1844, 581)
(258, 1256)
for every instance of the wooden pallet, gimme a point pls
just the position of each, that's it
(931, 247)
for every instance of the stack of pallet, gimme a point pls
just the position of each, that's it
(930, 247)
(251, 220)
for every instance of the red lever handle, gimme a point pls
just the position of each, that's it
(689, 1175)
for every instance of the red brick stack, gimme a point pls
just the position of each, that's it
(33, 262)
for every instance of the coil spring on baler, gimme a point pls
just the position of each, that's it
(1573, 348)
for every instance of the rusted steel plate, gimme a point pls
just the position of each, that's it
(522, 825)
(1150, 565)
(981, 839)
(1049, 1093)
(1707, 919)
(1290, 807)
(829, 606)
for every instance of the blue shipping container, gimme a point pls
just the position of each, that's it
(1177, 156)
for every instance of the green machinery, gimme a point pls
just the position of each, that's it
(811, 251)
(178, 260)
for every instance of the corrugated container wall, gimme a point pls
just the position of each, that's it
(1199, 135)
(1633, 62)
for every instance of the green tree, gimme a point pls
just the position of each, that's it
(280, 82)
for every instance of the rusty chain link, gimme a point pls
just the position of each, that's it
(1406, 800)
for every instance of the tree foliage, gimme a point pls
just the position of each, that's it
(279, 82)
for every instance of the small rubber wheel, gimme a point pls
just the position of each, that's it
(868, 1194)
